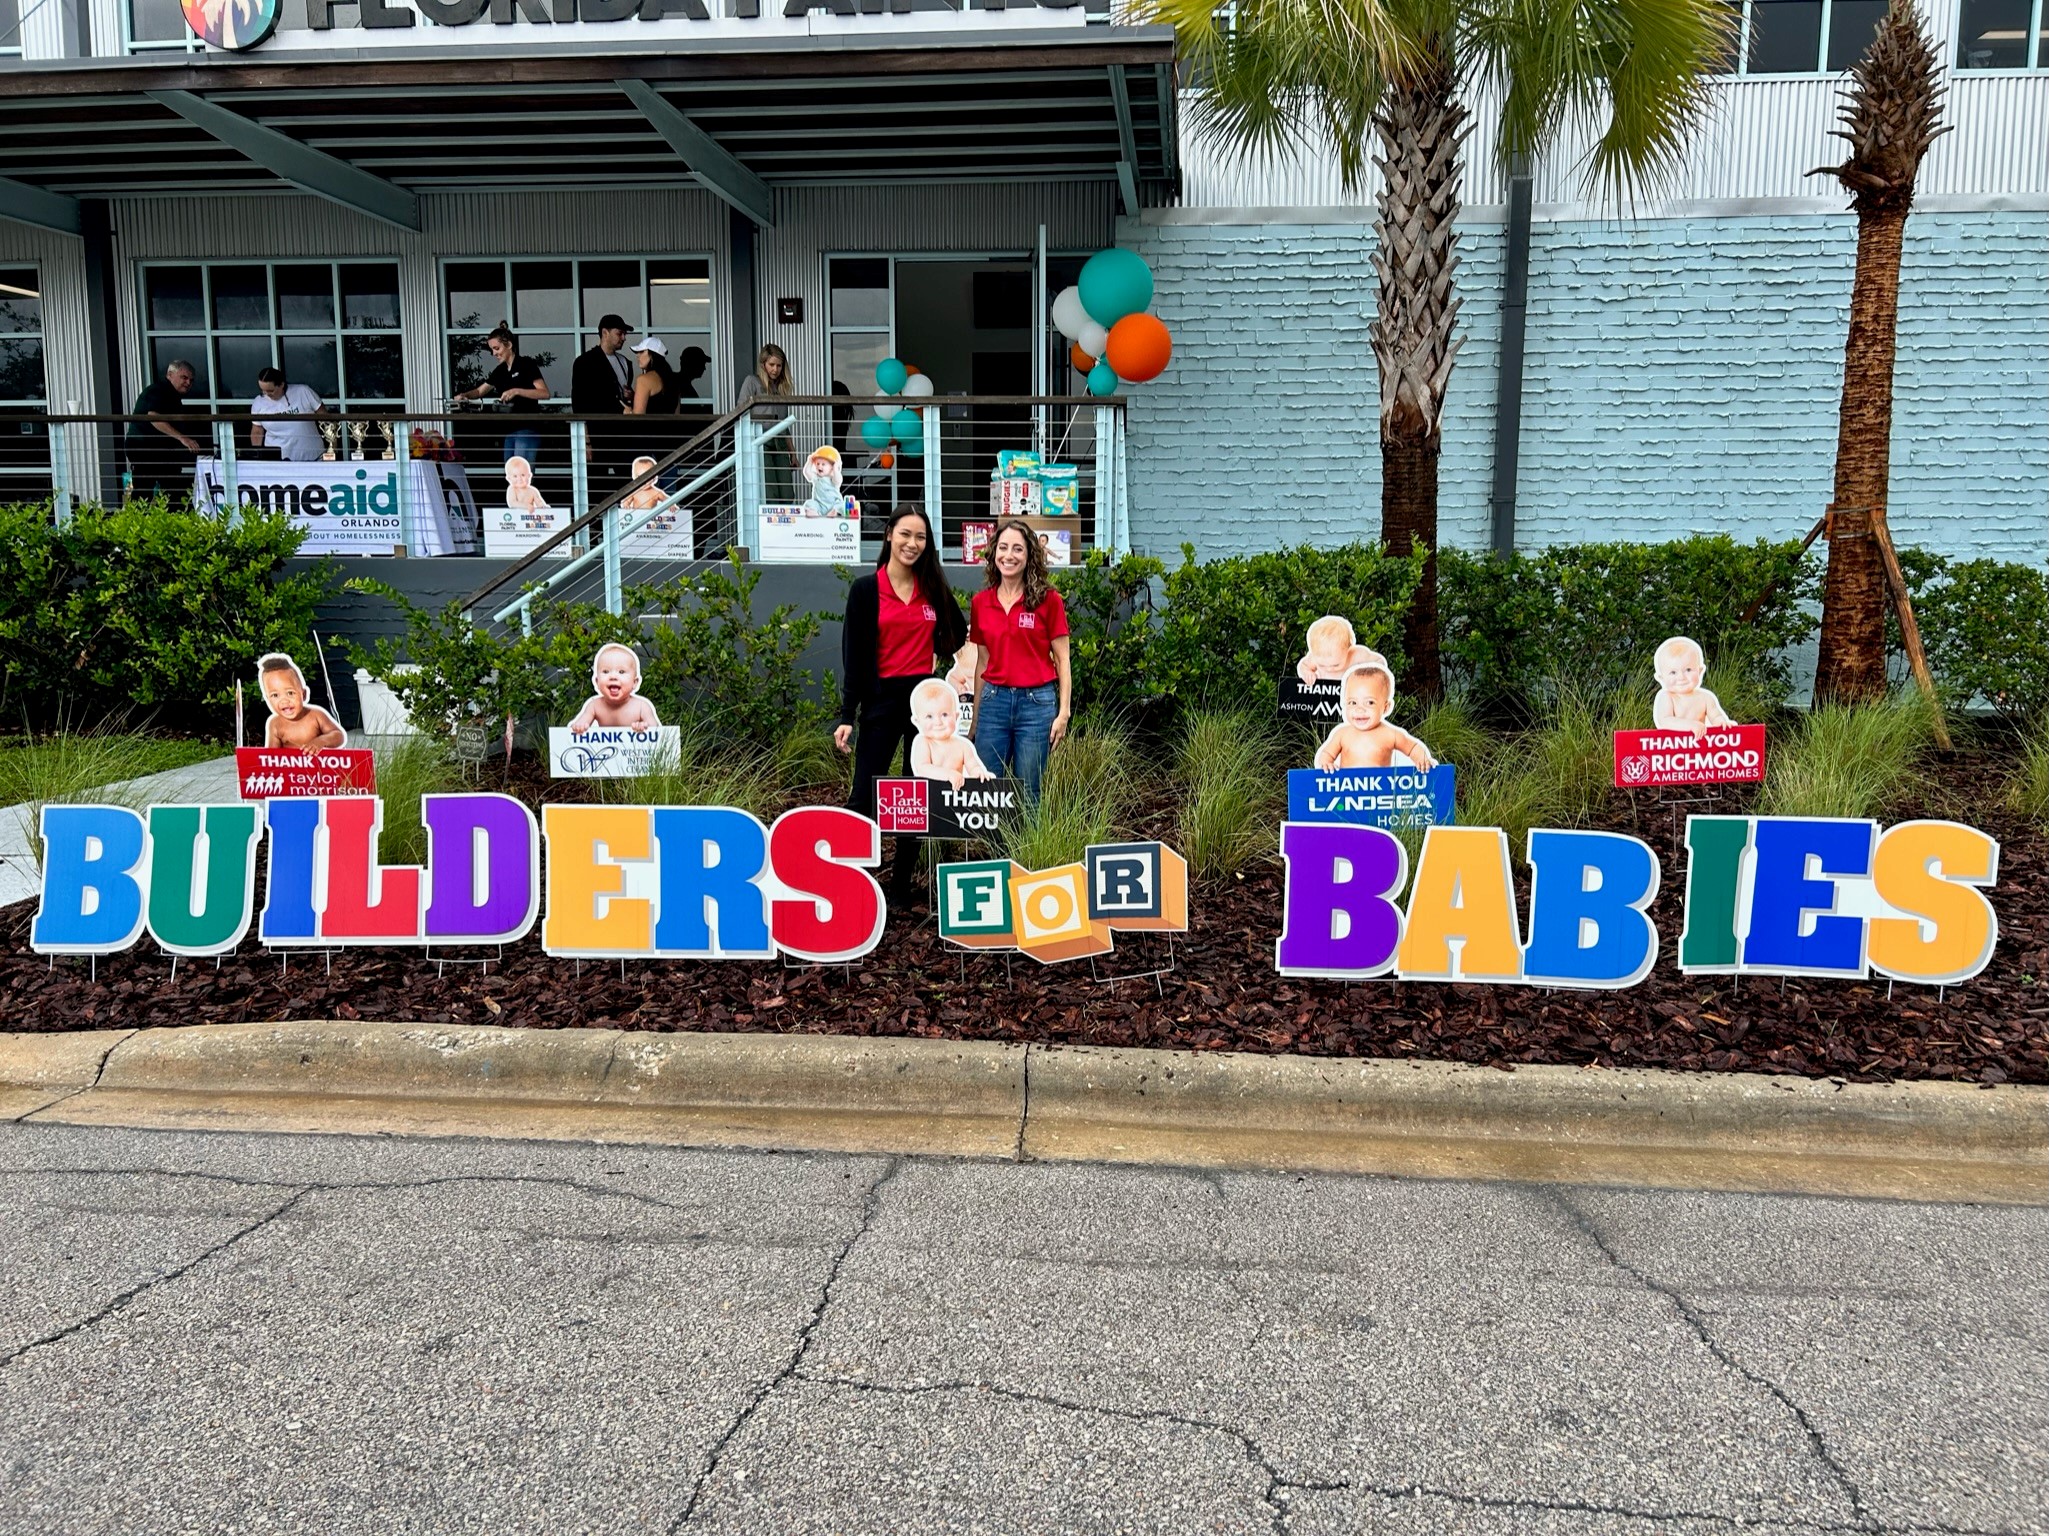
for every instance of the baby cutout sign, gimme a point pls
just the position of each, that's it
(305, 751)
(951, 792)
(1368, 770)
(1693, 740)
(617, 734)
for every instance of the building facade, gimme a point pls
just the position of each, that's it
(362, 192)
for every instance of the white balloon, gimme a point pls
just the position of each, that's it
(1093, 339)
(888, 408)
(1069, 318)
(918, 385)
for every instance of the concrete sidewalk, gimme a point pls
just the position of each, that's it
(1036, 1103)
(209, 783)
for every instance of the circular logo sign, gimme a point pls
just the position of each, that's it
(231, 24)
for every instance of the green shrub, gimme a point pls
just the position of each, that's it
(1985, 627)
(1110, 627)
(145, 607)
(1231, 773)
(1513, 627)
(1848, 760)
(1234, 627)
(708, 655)
(447, 669)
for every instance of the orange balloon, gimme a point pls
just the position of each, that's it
(912, 368)
(1081, 360)
(885, 461)
(1139, 348)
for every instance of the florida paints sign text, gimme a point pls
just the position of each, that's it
(623, 881)
(1775, 896)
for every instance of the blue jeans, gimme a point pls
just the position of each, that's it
(526, 443)
(1013, 731)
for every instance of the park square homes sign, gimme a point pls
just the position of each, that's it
(409, 23)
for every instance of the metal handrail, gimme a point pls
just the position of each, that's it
(598, 513)
(523, 604)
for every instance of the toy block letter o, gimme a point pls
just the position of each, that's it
(1052, 905)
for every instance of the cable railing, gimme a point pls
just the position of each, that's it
(583, 508)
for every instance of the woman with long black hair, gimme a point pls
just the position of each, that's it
(902, 626)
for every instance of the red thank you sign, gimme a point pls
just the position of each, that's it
(288, 773)
(1725, 754)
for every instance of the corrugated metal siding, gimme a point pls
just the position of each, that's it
(661, 222)
(68, 335)
(812, 222)
(1766, 134)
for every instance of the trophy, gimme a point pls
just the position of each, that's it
(390, 431)
(330, 434)
(359, 432)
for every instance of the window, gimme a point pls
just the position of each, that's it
(553, 306)
(24, 441)
(10, 32)
(1994, 34)
(333, 326)
(1805, 37)
(158, 26)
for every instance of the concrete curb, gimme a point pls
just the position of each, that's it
(965, 1098)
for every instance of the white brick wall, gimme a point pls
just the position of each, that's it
(1682, 375)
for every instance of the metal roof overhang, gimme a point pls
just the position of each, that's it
(372, 130)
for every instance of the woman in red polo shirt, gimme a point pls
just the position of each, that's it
(901, 621)
(1024, 685)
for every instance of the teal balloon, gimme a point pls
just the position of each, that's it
(911, 450)
(890, 376)
(1115, 283)
(1102, 380)
(906, 427)
(875, 432)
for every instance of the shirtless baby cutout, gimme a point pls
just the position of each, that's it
(938, 751)
(615, 673)
(1363, 738)
(293, 721)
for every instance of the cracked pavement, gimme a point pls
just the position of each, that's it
(278, 1333)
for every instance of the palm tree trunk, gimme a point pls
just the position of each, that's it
(1891, 115)
(1852, 663)
(1421, 126)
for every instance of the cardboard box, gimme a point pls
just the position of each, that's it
(1013, 498)
(1059, 536)
(974, 539)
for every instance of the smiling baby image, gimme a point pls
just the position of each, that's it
(1363, 738)
(938, 751)
(1333, 651)
(615, 673)
(293, 721)
(1682, 704)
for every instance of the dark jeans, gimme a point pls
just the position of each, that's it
(1014, 730)
(883, 731)
(526, 443)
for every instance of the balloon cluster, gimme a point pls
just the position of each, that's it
(896, 428)
(1104, 318)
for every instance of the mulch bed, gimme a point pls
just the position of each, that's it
(1220, 994)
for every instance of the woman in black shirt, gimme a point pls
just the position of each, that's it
(517, 381)
(901, 620)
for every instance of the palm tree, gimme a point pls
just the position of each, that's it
(1630, 76)
(1891, 115)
